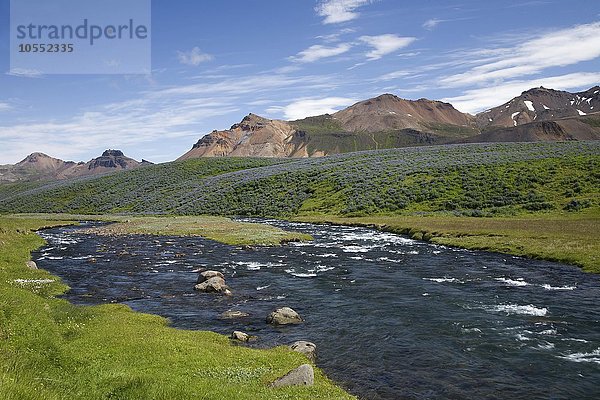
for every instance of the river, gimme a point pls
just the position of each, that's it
(392, 318)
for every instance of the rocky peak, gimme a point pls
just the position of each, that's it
(387, 96)
(251, 123)
(113, 153)
(112, 159)
(35, 157)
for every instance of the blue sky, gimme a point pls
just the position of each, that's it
(213, 62)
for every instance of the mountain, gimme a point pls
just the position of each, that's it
(39, 166)
(388, 121)
(379, 123)
(388, 113)
(254, 136)
(541, 104)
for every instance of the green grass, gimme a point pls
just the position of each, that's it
(220, 229)
(565, 237)
(52, 349)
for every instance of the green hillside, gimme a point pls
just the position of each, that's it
(325, 134)
(472, 180)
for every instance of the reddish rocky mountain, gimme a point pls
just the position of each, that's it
(382, 122)
(254, 136)
(388, 113)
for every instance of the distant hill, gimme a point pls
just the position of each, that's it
(40, 167)
(388, 121)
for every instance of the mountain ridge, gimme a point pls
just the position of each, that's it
(40, 166)
(388, 121)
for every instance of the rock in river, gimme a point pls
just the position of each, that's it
(241, 336)
(205, 275)
(284, 316)
(232, 314)
(216, 284)
(304, 375)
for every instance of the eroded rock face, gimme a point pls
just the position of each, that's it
(284, 316)
(254, 136)
(304, 375)
(309, 349)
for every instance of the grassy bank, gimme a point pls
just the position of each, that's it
(566, 237)
(52, 349)
(220, 229)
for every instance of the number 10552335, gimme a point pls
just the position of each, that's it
(46, 48)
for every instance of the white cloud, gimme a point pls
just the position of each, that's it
(5, 107)
(394, 75)
(432, 23)
(336, 11)
(475, 100)
(248, 84)
(335, 37)
(310, 107)
(385, 44)
(317, 52)
(531, 56)
(193, 57)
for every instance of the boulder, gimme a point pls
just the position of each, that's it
(284, 316)
(215, 284)
(309, 349)
(241, 336)
(304, 375)
(206, 275)
(231, 314)
(31, 265)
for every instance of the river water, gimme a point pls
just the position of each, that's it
(392, 318)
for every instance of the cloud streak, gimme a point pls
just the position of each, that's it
(318, 52)
(532, 56)
(337, 11)
(385, 44)
(430, 24)
(193, 57)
